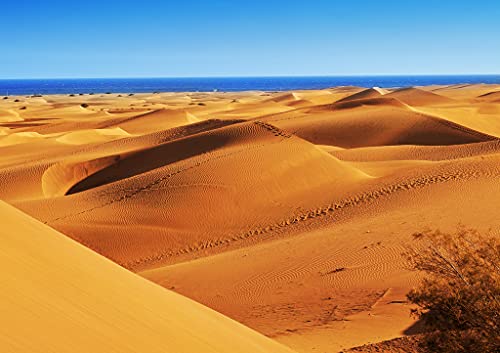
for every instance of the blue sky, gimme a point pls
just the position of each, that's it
(42, 39)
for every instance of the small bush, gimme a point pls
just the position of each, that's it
(459, 299)
(84, 105)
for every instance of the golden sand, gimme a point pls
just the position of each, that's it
(287, 212)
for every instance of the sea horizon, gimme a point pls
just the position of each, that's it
(40, 86)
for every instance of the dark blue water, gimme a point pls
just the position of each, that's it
(227, 84)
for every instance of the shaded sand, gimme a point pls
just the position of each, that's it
(285, 211)
(58, 296)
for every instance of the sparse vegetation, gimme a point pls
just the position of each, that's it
(459, 299)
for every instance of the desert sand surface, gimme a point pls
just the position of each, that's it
(58, 296)
(287, 212)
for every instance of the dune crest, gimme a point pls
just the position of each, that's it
(417, 97)
(374, 92)
(92, 136)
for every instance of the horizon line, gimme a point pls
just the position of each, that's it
(251, 76)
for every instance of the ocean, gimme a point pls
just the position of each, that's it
(226, 84)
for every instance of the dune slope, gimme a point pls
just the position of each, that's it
(376, 123)
(240, 178)
(58, 296)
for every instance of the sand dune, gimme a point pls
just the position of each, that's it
(365, 94)
(65, 298)
(412, 152)
(213, 170)
(356, 103)
(9, 115)
(374, 124)
(23, 166)
(464, 92)
(291, 285)
(417, 97)
(19, 138)
(81, 137)
(287, 97)
(285, 211)
(157, 120)
(491, 96)
(92, 136)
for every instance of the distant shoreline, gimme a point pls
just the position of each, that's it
(18, 87)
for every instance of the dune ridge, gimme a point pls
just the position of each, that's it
(369, 93)
(416, 97)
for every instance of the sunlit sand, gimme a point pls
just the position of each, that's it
(278, 214)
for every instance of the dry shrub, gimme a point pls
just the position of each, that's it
(459, 298)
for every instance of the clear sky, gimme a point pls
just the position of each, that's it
(141, 38)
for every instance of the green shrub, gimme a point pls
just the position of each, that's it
(459, 298)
